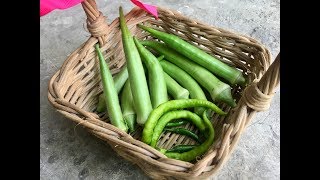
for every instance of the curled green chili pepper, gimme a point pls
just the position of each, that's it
(176, 122)
(197, 151)
(177, 114)
(155, 114)
(181, 148)
(184, 131)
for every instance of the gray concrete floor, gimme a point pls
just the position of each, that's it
(69, 152)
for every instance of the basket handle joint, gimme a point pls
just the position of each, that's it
(258, 95)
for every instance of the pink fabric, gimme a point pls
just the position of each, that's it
(149, 8)
(47, 6)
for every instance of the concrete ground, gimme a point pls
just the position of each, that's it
(67, 152)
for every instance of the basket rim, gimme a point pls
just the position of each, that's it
(111, 133)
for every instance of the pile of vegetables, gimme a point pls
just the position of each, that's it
(165, 93)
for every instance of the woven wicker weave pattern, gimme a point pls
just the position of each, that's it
(75, 88)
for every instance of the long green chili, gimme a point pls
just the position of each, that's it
(218, 90)
(110, 94)
(217, 67)
(137, 78)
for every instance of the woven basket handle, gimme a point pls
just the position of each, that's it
(259, 94)
(96, 22)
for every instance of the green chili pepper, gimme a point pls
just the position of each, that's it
(154, 116)
(119, 80)
(174, 88)
(157, 84)
(181, 148)
(176, 122)
(217, 67)
(101, 107)
(197, 151)
(177, 114)
(184, 131)
(110, 94)
(137, 78)
(128, 111)
(218, 90)
(160, 57)
(186, 81)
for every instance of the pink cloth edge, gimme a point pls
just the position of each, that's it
(46, 6)
(149, 8)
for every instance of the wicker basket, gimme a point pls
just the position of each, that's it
(75, 88)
